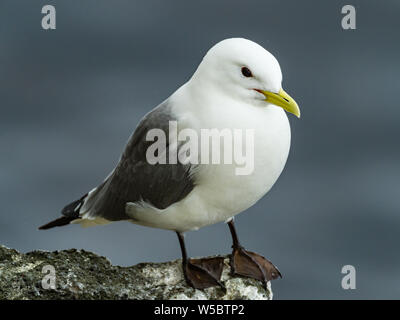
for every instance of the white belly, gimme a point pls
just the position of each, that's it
(220, 193)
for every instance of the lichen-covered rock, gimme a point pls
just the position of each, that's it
(84, 275)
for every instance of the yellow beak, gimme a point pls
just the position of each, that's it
(283, 100)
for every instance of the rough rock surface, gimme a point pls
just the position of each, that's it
(84, 275)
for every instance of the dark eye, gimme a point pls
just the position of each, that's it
(246, 72)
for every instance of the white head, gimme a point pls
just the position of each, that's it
(243, 69)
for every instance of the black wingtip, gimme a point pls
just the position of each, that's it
(70, 212)
(57, 223)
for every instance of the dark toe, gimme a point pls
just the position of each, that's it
(252, 265)
(204, 273)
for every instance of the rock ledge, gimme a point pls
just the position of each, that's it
(81, 274)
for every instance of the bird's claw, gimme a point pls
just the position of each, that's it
(204, 273)
(252, 265)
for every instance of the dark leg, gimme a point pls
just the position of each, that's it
(250, 264)
(201, 273)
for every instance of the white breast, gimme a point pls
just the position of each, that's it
(224, 191)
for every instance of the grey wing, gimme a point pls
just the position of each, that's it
(135, 179)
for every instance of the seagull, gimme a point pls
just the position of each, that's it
(237, 85)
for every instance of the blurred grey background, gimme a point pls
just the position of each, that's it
(70, 99)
